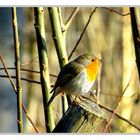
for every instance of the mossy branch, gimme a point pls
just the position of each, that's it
(59, 44)
(43, 61)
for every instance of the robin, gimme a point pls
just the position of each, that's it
(77, 77)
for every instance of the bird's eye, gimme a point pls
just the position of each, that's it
(92, 60)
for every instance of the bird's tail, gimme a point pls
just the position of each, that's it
(55, 93)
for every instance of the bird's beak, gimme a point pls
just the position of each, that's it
(100, 60)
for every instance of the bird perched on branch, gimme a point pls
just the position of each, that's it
(77, 77)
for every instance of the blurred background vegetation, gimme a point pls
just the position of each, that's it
(108, 35)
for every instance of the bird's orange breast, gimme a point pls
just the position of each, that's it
(92, 70)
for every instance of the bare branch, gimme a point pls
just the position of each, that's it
(27, 115)
(114, 111)
(14, 87)
(99, 84)
(82, 32)
(8, 75)
(24, 79)
(114, 11)
(70, 19)
(120, 117)
(26, 70)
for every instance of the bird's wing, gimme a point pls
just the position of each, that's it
(67, 73)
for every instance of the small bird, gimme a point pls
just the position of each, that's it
(77, 77)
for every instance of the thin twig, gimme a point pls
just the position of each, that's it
(64, 27)
(24, 79)
(109, 94)
(14, 87)
(89, 22)
(82, 33)
(8, 75)
(17, 64)
(22, 69)
(99, 84)
(110, 119)
(27, 115)
(109, 129)
(114, 11)
(60, 19)
(55, 76)
(27, 70)
(70, 19)
(120, 117)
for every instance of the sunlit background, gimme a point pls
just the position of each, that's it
(108, 35)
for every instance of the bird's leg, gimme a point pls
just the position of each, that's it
(95, 96)
(79, 99)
